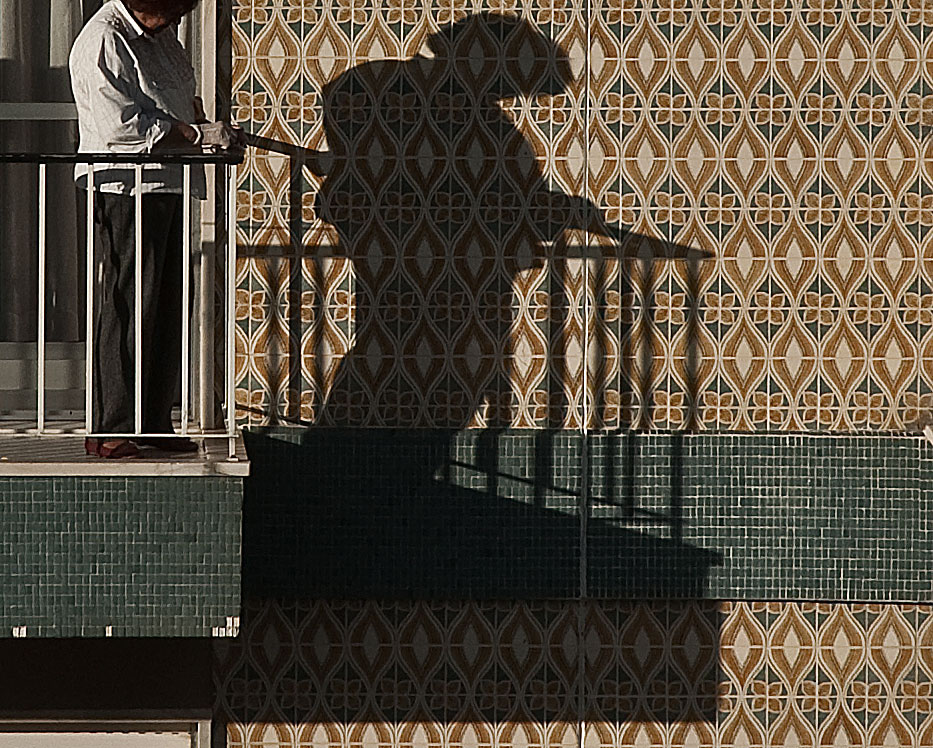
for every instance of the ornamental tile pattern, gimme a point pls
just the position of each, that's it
(429, 271)
(331, 674)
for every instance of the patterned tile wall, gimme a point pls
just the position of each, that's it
(428, 271)
(333, 674)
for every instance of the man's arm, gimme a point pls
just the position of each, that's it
(107, 91)
(200, 118)
(182, 135)
(114, 99)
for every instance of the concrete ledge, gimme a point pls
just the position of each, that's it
(33, 456)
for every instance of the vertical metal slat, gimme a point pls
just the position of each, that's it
(40, 353)
(138, 302)
(206, 401)
(231, 309)
(185, 296)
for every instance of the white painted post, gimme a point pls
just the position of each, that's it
(40, 354)
(89, 307)
(138, 302)
(185, 297)
(231, 309)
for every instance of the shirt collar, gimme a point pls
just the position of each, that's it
(129, 17)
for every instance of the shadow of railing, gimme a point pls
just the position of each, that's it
(435, 514)
(398, 519)
(437, 197)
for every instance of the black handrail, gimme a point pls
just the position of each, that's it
(234, 156)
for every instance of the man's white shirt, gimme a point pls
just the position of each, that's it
(128, 87)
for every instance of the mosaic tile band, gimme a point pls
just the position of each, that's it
(123, 557)
(325, 674)
(428, 272)
(429, 514)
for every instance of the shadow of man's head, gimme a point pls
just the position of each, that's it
(435, 185)
(430, 150)
(423, 152)
(455, 83)
(503, 56)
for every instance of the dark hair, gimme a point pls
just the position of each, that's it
(162, 7)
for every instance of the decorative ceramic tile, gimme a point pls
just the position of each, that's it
(333, 674)
(442, 169)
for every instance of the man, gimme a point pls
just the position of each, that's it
(135, 93)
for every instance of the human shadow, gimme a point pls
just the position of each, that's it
(467, 293)
(467, 282)
(457, 239)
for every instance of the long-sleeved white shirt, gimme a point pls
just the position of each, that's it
(128, 87)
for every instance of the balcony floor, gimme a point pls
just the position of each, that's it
(27, 455)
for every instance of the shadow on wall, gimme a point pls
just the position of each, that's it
(439, 201)
(437, 197)
(389, 518)
(426, 514)
(465, 674)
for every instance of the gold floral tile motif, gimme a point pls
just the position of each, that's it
(701, 214)
(330, 673)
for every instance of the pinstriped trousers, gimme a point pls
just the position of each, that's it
(114, 323)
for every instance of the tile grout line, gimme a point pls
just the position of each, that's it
(585, 414)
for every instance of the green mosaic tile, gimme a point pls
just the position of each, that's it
(119, 556)
(473, 514)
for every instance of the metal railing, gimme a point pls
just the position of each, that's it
(225, 220)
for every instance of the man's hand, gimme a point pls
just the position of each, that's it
(240, 134)
(182, 136)
(217, 135)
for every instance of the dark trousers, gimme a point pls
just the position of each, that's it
(114, 325)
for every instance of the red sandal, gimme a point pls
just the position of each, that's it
(111, 449)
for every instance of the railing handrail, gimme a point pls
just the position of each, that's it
(224, 157)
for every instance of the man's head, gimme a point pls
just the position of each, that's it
(155, 15)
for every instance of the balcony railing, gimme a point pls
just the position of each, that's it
(203, 423)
